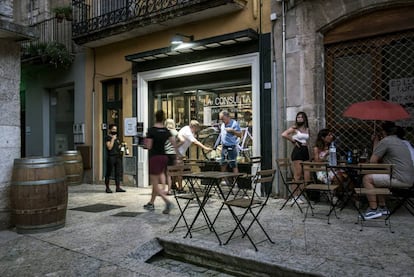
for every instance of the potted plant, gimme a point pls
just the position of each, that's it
(68, 13)
(63, 13)
(59, 13)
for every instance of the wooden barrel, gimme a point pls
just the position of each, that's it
(39, 194)
(73, 167)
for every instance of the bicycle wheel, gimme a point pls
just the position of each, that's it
(209, 141)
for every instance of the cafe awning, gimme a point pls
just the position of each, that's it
(197, 45)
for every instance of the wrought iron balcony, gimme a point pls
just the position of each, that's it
(53, 45)
(100, 22)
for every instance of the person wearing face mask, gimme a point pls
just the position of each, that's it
(113, 158)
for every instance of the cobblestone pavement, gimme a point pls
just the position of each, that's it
(104, 244)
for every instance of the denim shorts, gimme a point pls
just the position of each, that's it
(229, 155)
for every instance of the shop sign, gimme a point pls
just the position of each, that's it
(402, 92)
(130, 126)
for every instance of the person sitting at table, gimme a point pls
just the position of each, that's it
(390, 150)
(321, 154)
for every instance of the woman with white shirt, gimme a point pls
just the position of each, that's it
(298, 134)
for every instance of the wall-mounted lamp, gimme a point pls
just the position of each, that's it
(179, 39)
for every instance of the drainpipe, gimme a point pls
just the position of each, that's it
(93, 118)
(275, 104)
(284, 110)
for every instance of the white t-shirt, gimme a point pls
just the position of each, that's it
(189, 138)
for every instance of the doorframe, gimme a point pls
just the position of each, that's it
(248, 60)
(116, 104)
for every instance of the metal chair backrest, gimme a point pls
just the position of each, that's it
(375, 168)
(264, 177)
(178, 170)
(285, 169)
(313, 167)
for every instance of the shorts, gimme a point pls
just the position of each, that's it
(300, 153)
(171, 159)
(229, 155)
(158, 164)
(383, 181)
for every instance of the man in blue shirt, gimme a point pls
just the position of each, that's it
(229, 135)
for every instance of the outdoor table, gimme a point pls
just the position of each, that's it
(353, 173)
(212, 179)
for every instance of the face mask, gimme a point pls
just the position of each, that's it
(300, 123)
(113, 133)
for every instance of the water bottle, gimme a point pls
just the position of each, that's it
(332, 155)
(349, 159)
(364, 156)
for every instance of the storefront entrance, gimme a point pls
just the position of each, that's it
(200, 91)
(201, 98)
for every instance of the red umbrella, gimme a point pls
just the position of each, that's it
(376, 110)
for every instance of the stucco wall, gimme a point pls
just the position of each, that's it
(111, 63)
(9, 122)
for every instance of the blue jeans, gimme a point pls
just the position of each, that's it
(229, 155)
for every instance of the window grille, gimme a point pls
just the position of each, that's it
(363, 70)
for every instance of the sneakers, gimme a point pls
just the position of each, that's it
(384, 210)
(168, 208)
(299, 200)
(371, 214)
(149, 207)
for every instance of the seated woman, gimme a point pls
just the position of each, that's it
(321, 154)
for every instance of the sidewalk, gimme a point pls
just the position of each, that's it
(102, 244)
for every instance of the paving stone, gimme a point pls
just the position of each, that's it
(101, 244)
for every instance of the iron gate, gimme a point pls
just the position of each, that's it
(368, 69)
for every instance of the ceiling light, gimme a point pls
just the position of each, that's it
(179, 39)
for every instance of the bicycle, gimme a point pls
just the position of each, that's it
(213, 141)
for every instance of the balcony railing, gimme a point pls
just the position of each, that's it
(117, 16)
(52, 30)
(52, 46)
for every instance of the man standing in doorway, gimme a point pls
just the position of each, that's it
(229, 134)
(113, 158)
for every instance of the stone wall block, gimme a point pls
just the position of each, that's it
(9, 150)
(9, 102)
(10, 113)
(9, 60)
(6, 10)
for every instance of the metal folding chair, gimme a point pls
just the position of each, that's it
(328, 189)
(252, 206)
(404, 198)
(373, 168)
(183, 200)
(284, 167)
(244, 183)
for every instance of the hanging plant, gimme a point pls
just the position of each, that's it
(52, 53)
(59, 55)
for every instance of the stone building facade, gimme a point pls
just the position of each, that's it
(10, 33)
(311, 79)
